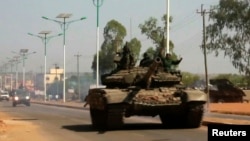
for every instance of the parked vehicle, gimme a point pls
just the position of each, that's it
(21, 96)
(4, 95)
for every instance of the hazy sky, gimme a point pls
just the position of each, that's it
(19, 17)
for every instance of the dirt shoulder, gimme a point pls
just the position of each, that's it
(228, 108)
(231, 108)
(11, 130)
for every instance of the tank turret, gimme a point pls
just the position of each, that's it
(144, 77)
(134, 76)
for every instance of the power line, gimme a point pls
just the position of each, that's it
(184, 22)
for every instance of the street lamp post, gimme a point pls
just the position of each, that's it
(64, 25)
(24, 53)
(11, 61)
(5, 74)
(11, 75)
(45, 39)
(97, 4)
(17, 61)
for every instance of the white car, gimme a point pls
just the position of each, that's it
(4, 95)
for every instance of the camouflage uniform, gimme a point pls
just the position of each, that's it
(146, 61)
(127, 60)
(168, 62)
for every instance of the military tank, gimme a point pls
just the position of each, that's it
(145, 91)
(224, 91)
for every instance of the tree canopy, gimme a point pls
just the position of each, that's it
(156, 32)
(229, 32)
(114, 34)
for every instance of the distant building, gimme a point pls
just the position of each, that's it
(54, 75)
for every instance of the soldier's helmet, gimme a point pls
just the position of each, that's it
(168, 55)
(145, 55)
(126, 48)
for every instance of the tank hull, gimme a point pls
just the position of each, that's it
(176, 108)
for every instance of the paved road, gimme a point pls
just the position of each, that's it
(64, 124)
(209, 117)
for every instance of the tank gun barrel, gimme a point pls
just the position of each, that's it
(152, 68)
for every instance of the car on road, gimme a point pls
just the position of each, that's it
(4, 95)
(21, 96)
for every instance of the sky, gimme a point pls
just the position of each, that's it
(20, 17)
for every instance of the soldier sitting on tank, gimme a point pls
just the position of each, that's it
(127, 60)
(117, 60)
(168, 62)
(146, 61)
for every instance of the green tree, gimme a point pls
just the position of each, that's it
(236, 79)
(230, 32)
(156, 32)
(114, 34)
(135, 47)
(151, 52)
(189, 78)
(113, 31)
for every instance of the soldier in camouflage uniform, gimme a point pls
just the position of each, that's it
(168, 62)
(146, 61)
(127, 60)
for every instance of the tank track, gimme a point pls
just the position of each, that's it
(109, 118)
(194, 116)
(190, 118)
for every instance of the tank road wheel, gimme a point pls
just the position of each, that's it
(109, 118)
(194, 116)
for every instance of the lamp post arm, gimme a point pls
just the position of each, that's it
(47, 38)
(29, 53)
(76, 20)
(59, 22)
(50, 37)
(35, 35)
(66, 24)
(69, 22)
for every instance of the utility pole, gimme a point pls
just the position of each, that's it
(78, 77)
(203, 12)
